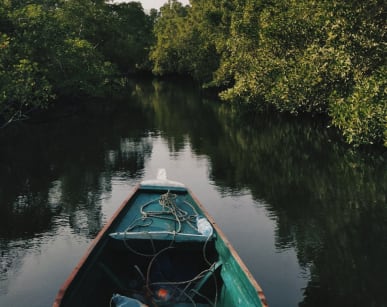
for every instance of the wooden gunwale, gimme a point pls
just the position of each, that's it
(62, 291)
(67, 283)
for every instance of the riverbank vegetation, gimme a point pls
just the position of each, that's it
(316, 57)
(55, 49)
(320, 57)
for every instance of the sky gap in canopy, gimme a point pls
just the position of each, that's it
(152, 4)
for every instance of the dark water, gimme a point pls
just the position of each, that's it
(307, 215)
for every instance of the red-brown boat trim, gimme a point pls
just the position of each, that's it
(63, 289)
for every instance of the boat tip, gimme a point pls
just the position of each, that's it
(161, 180)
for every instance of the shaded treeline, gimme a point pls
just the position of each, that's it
(52, 49)
(317, 57)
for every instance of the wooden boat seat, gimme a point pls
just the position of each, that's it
(160, 235)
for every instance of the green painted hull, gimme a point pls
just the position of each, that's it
(152, 251)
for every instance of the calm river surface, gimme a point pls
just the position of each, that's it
(306, 214)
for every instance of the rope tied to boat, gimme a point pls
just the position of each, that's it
(169, 211)
(177, 216)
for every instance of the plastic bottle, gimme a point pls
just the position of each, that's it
(204, 226)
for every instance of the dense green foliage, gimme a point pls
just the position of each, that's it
(320, 57)
(184, 42)
(53, 49)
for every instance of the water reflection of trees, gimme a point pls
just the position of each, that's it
(177, 110)
(10, 261)
(329, 202)
(55, 174)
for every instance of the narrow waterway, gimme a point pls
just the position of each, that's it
(306, 214)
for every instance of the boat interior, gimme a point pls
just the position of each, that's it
(153, 273)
